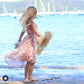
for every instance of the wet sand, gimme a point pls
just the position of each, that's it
(48, 81)
(49, 76)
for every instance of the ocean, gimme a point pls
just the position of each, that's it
(66, 47)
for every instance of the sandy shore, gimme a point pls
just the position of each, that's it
(48, 81)
(46, 76)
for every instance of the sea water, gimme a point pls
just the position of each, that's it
(66, 48)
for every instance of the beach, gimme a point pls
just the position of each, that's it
(61, 62)
(46, 76)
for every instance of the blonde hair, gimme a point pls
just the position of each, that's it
(28, 15)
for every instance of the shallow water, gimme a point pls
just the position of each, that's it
(66, 47)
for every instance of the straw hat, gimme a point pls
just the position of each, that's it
(42, 42)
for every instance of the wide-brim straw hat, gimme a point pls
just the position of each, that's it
(42, 43)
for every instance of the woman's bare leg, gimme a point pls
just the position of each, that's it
(26, 72)
(30, 72)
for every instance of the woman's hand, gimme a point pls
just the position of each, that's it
(17, 44)
(19, 40)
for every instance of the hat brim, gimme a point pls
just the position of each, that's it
(42, 43)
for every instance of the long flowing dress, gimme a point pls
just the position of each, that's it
(25, 52)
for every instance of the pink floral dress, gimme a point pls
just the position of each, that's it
(25, 52)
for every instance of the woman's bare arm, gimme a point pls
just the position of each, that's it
(22, 33)
(35, 30)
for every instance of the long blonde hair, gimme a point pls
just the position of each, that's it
(27, 16)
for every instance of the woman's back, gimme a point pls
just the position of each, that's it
(29, 29)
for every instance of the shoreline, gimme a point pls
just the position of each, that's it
(55, 80)
(48, 67)
(45, 76)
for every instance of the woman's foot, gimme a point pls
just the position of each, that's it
(33, 79)
(27, 81)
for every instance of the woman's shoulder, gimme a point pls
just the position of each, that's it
(33, 24)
